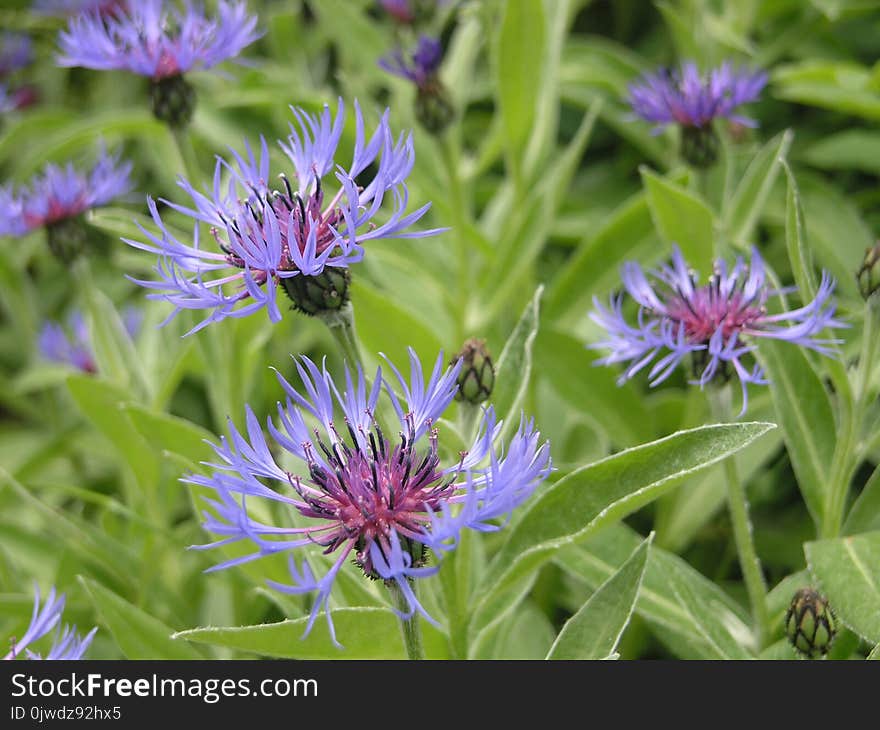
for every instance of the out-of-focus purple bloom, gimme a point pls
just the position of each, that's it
(76, 348)
(409, 12)
(16, 51)
(76, 7)
(691, 99)
(365, 496)
(61, 193)
(421, 68)
(67, 645)
(714, 323)
(268, 236)
(156, 39)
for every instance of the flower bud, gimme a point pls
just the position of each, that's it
(434, 109)
(699, 145)
(868, 276)
(810, 624)
(322, 294)
(67, 237)
(174, 100)
(477, 375)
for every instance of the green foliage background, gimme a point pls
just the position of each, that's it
(547, 186)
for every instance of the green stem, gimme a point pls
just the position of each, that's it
(341, 326)
(183, 142)
(844, 455)
(459, 214)
(412, 632)
(738, 505)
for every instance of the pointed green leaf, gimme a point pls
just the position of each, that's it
(597, 559)
(138, 635)
(595, 630)
(603, 492)
(515, 364)
(518, 68)
(365, 633)
(100, 401)
(847, 570)
(682, 218)
(806, 417)
(750, 196)
(796, 239)
(706, 617)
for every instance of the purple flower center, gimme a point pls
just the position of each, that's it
(707, 309)
(299, 220)
(366, 493)
(56, 211)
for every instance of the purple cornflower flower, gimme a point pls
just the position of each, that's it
(712, 323)
(61, 193)
(76, 349)
(151, 39)
(690, 99)
(363, 495)
(67, 645)
(421, 68)
(268, 237)
(410, 12)
(16, 51)
(20, 98)
(106, 8)
(434, 110)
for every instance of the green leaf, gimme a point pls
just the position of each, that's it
(847, 570)
(864, 515)
(597, 559)
(100, 401)
(706, 617)
(745, 207)
(619, 410)
(681, 217)
(165, 432)
(384, 326)
(806, 417)
(365, 633)
(844, 87)
(595, 630)
(851, 149)
(875, 653)
(138, 635)
(594, 264)
(527, 634)
(115, 354)
(608, 490)
(519, 65)
(796, 239)
(515, 364)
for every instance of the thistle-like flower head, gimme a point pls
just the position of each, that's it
(61, 193)
(67, 645)
(156, 39)
(422, 65)
(73, 345)
(691, 99)
(715, 323)
(360, 492)
(267, 237)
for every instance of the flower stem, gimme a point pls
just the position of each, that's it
(845, 459)
(459, 212)
(412, 632)
(185, 149)
(738, 505)
(341, 326)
